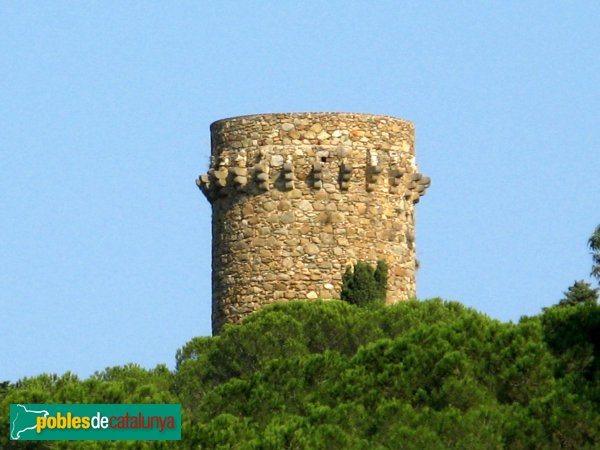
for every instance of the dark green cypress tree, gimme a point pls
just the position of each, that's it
(381, 277)
(347, 284)
(362, 284)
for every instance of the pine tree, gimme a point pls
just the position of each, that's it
(594, 244)
(581, 292)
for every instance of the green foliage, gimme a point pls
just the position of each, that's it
(381, 278)
(573, 335)
(331, 375)
(362, 285)
(580, 292)
(126, 384)
(594, 244)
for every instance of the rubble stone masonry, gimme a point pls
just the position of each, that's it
(297, 197)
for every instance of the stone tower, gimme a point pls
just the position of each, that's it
(297, 197)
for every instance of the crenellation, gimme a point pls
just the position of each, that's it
(345, 175)
(296, 197)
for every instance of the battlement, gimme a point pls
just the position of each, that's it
(334, 152)
(296, 197)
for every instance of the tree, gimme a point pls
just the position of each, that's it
(362, 284)
(573, 335)
(381, 277)
(331, 375)
(594, 244)
(580, 292)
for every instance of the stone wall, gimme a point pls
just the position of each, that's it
(297, 197)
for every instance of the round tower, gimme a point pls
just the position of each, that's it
(297, 197)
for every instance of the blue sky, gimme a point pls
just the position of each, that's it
(104, 116)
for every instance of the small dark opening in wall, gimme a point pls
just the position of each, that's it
(323, 158)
